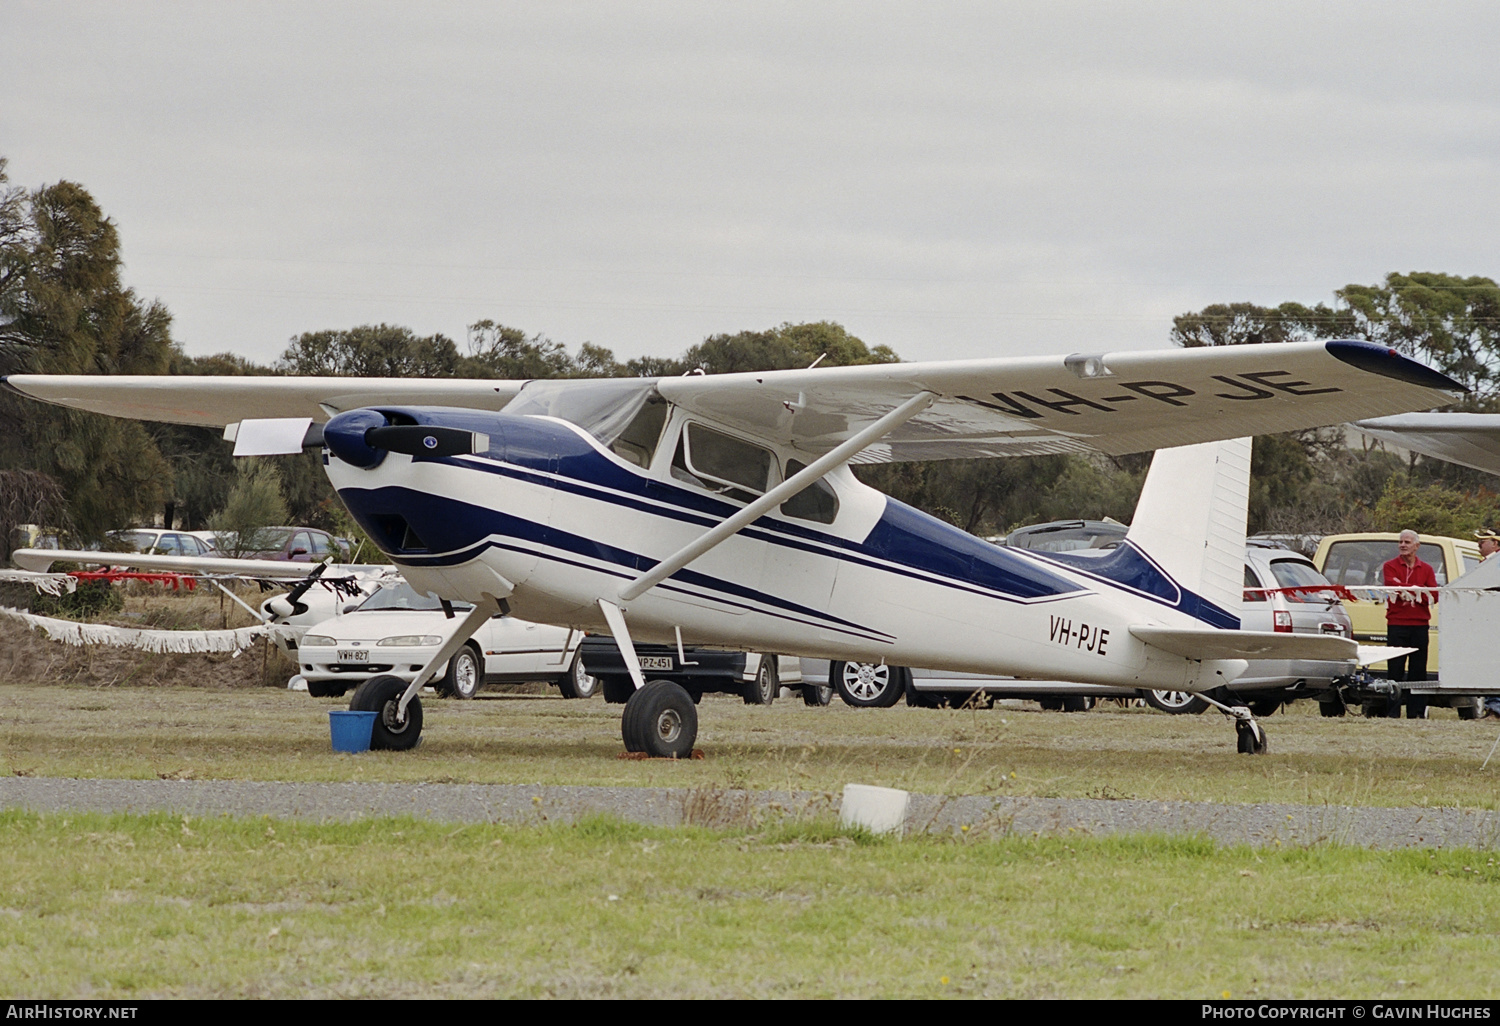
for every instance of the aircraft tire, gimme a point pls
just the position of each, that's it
(326, 689)
(1179, 703)
(816, 694)
(381, 695)
(867, 685)
(1251, 738)
(465, 674)
(763, 689)
(577, 683)
(660, 720)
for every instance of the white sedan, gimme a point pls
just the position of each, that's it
(397, 629)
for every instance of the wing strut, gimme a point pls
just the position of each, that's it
(776, 496)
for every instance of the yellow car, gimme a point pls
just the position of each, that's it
(1355, 560)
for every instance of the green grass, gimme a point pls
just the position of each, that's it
(152, 906)
(270, 734)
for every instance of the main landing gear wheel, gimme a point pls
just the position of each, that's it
(1252, 738)
(660, 720)
(462, 678)
(392, 731)
(867, 685)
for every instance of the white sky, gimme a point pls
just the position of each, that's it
(952, 180)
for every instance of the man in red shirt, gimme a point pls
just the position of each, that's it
(1407, 620)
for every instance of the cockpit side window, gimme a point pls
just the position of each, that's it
(637, 443)
(817, 502)
(721, 463)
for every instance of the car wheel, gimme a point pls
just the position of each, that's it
(326, 688)
(1050, 704)
(867, 685)
(762, 690)
(1177, 702)
(817, 694)
(1467, 710)
(577, 683)
(1076, 703)
(617, 690)
(1264, 706)
(382, 695)
(463, 676)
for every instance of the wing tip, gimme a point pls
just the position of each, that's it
(1383, 360)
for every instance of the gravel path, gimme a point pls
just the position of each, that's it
(1257, 825)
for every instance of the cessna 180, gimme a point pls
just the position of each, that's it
(721, 509)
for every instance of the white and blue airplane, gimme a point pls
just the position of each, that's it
(720, 510)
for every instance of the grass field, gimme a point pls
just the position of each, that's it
(1109, 752)
(167, 906)
(135, 906)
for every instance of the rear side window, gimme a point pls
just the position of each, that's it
(1253, 582)
(734, 468)
(817, 502)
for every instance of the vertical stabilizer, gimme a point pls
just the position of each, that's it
(1191, 517)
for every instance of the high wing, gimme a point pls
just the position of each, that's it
(219, 400)
(40, 560)
(1470, 439)
(1111, 402)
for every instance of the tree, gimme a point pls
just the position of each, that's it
(1448, 320)
(255, 503)
(782, 348)
(63, 310)
(371, 351)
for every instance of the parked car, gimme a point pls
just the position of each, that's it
(398, 629)
(296, 544)
(1356, 559)
(1264, 687)
(157, 540)
(756, 678)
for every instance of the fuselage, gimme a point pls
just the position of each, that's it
(551, 519)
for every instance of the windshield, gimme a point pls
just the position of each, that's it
(602, 408)
(1293, 573)
(404, 596)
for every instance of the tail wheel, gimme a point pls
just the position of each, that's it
(1177, 702)
(392, 731)
(660, 720)
(868, 685)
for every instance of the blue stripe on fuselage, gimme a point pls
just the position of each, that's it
(1130, 567)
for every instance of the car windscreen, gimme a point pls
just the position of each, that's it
(1354, 563)
(404, 596)
(1293, 573)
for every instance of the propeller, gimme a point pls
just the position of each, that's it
(424, 440)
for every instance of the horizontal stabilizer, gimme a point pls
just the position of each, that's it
(1208, 643)
(1380, 653)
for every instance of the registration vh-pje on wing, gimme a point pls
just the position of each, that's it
(721, 510)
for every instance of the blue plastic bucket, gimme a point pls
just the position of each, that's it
(349, 730)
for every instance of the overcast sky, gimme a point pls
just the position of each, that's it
(952, 180)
